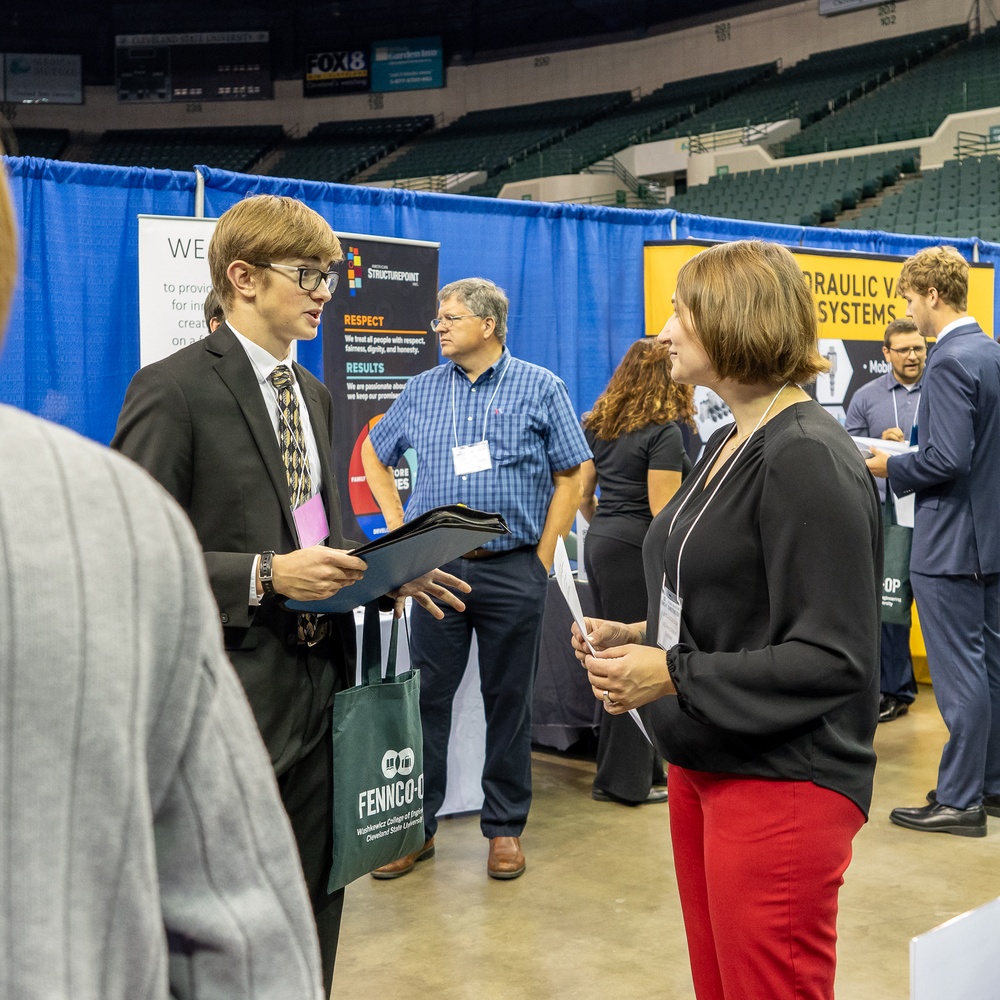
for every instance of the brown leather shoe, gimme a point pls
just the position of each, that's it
(506, 859)
(406, 863)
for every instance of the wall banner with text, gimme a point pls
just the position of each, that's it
(855, 296)
(173, 283)
(376, 336)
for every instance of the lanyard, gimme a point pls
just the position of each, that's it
(718, 486)
(489, 405)
(895, 409)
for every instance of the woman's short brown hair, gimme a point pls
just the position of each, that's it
(752, 310)
(943, 268)
(265, 228)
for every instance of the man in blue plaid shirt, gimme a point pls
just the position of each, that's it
(498, 434)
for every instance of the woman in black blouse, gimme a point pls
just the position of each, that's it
(759, 654)
(635, 433)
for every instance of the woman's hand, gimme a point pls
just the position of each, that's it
(604, 634)
(627, 676)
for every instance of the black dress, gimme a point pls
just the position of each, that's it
(777, 667)
(627, 766)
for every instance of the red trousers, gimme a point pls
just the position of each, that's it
(759, 865)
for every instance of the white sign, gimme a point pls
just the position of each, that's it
(958, 960)
(43, 79)
(173, 283)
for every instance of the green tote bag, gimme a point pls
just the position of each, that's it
(897, 593)
(378, 763)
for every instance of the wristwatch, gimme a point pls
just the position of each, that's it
(264, 570)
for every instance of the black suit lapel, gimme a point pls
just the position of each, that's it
(237, 372)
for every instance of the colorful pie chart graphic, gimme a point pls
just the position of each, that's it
(363, 504)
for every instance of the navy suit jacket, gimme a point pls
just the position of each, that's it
(956, 471)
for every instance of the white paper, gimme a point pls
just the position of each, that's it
(892, 447)
(905, 509)
(564, 577)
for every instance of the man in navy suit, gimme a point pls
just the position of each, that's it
(955, 563)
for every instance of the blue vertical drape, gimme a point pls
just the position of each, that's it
(573, 272)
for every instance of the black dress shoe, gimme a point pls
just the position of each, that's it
(655, 795)
(936, 818)
(890, 707)
(991, 803)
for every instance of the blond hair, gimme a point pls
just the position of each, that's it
(752, 310)
(8, 250)
(943, 268)
(265, 228)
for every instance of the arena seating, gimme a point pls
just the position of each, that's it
(644, 120)
(964, 78)
(47, 143)
(235, 147)
(805, 194)
(962, 198)
(336, 151)
(489, 140)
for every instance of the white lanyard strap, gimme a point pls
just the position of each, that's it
(718, 486)
(489, 405)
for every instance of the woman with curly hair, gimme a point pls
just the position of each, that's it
(637, 431)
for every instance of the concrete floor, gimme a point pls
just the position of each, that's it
(596, 916)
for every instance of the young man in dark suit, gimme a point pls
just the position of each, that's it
(955, 562)
(241, 437)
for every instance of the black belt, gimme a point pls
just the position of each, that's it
(482, 553)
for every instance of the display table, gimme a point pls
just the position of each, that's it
(564, 707)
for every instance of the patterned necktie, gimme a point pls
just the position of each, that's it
(293, 454)
(291, 438)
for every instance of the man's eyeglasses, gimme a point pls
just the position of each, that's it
(439, 321)
(906, 351)
(310, 278)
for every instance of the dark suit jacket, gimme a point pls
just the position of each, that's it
(956, 472)
(198, 423)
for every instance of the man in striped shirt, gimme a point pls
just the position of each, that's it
(498, 434)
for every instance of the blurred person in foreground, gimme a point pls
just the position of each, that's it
(145, 853)
(759, 653)
(635, 432)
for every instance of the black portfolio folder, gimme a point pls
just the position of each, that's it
(431, 539)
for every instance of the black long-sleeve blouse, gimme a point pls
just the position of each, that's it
(777, 666)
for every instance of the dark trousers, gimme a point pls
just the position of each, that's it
(960, 616)
(505, 611)
(627, 766)
(896, 663)
(307, 793)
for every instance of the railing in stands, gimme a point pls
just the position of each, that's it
(974, 144)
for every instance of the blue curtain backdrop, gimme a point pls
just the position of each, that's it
(573, 272)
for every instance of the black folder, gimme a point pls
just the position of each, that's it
(431, 539)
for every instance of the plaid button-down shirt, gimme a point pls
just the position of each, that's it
(530, 426)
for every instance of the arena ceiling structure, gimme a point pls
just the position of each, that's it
(471, 30)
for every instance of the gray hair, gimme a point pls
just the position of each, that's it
(213, 309)
(483, 298)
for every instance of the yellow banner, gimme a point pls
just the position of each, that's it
(855, 293)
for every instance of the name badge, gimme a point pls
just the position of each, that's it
(472, 457)
(668, 631)
(310, 522)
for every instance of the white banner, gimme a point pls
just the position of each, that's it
(43, 79)
(173, 283)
